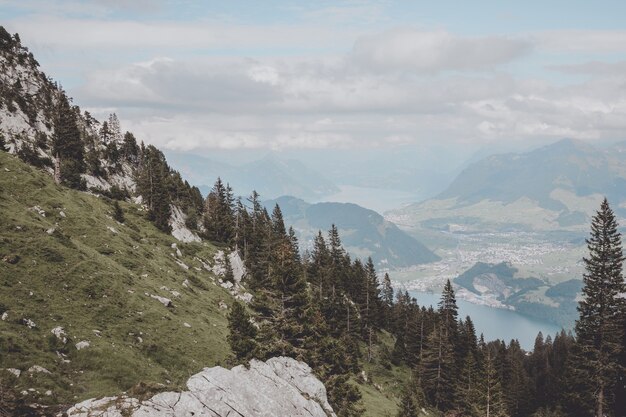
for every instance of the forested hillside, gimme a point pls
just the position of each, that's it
(111, 281)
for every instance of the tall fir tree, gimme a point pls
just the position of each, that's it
(242, 336)
(408, 406)
(490, 400)
(67, 146)
(599, 330)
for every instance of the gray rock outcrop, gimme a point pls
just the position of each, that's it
(278, 387)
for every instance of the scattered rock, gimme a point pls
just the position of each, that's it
(38, 369)
(60, 334)
(62, 214)
(165, 301)
(83, 344)
(112, 230)
(228, 285)
(38, 210)
(97, 333)
(14, 371)
(223, 305)
(182, 265)
(48, 393)
(5, 316)
(178, 252)
(11, 259)
(186, 324)
(173, 292)
(364, 376)
(186, 283)
(29, 323)
(246, 297)
(51, 230)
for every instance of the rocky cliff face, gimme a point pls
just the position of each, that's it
(29, 112)
(278, 387)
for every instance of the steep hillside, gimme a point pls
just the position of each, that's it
(85, 297)
(107, 285)
(364, 232)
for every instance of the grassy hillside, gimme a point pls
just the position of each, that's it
(79, 269)
(64, 262)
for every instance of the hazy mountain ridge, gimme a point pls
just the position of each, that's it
(270, 176)
(364, 232)
(568, 164)
(554, 187)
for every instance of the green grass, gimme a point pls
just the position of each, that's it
(76, 273)
(382, 391)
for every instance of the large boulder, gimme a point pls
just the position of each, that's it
(278, 387)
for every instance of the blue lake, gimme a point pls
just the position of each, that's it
(496, 323)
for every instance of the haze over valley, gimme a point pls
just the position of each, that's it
(345, 208)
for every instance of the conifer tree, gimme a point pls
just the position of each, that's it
(242, 333)
(448, 311)
(319, 264)
(219, 219)
(437, 368)
(67, 146)
(118, 214)
(516, 383)
(599, 329)
(387, 292)
(229, 276)
(408, 406)
(152, 184)
(490, 399)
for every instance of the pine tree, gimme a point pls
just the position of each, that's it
(219, 218)
(118, 213)
(448, 311)
(67, 146)
(437, 369)
(242, 333)
(152, 184)
(516, 383)
(371, 306)
(599, 329)
(408, 406)
(490, 398)
(229, 276)
(319, 264)
(387, 301)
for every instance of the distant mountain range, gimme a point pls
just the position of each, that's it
(271, 177)
(364, 232)
(555, 187)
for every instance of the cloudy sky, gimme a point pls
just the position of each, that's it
(202, 75)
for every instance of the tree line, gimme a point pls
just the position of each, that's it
(330, 310)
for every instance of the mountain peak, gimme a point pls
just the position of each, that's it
(567, 145)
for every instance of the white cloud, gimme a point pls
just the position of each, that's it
(162, 35)
(228, 85)
(592, 41)
(410, 50)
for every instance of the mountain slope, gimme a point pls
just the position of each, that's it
(90, 306)
(551, 188)
(67, 264)
(364, 232)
